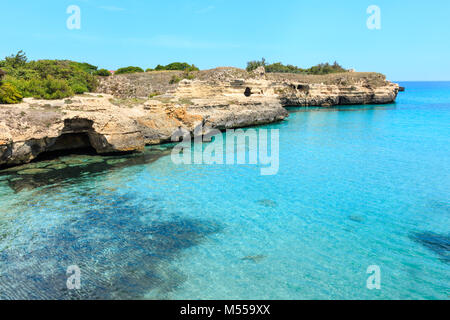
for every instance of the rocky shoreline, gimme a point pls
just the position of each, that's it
(130, 111)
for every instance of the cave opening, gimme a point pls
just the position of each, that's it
(248, 92)
(68, 144)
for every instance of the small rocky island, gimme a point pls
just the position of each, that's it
(130, 111)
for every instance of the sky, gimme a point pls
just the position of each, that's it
(411, 44)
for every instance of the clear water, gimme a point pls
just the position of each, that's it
(357, 186)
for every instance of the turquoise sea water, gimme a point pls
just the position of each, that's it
(357, 186)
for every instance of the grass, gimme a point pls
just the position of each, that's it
(186, 101)
(127, 102)
(154, 94)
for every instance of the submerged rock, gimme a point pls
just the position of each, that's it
(33, 171)
(256, 259)
(357, 218)
(58, 166)
(128, 261)
(440, 206)
(115, 161)
(82, 161)
(74, 169)
(268, 203)
(438, 243)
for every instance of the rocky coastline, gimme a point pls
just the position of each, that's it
(131, 111)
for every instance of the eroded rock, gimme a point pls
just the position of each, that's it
(131, 111)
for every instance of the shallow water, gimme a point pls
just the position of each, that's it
(357, 186)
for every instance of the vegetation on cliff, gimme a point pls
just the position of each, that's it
(129, 69)
(323, 68)
(185, 75)
(179, 66)
(47, 79)
(174, 66)
(102, 73)
(9, 94)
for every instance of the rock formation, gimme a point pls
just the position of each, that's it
(130, 111)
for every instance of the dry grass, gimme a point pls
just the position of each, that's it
(126, 102)
(147, 84)
(346, 78)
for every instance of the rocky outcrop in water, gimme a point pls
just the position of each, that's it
(131, 111)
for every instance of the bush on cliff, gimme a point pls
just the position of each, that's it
(326, 68)
(102, 73)
(253, 65)
(129, 70)
(185, 75)
(322, 68)
(281, 68)
(49, 88)
(9, 94)
(48, 79)
(179, 66)
(74, 73)
(15, 61)
(86, 67)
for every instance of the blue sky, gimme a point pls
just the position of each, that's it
(412, 44)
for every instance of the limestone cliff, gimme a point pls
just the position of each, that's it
(130, 111)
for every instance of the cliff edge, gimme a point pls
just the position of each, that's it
(134, 110)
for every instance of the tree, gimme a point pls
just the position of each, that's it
(17, 60)
(252, 65)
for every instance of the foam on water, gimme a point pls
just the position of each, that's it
(357, 186)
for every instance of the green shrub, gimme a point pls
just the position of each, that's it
(9, 94)
(16, 61)
(174, 79)
(154, 94)
(188, 75)
(322, 68)
(73, 72)
(86, 67)
(326, 68)
(279, 67)
(78, 88)
(252, 65)
(179, 66)
(49, 79)
(22, 73)
(58, 89)
(102, 72)
(49, 88)
(129, 70)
